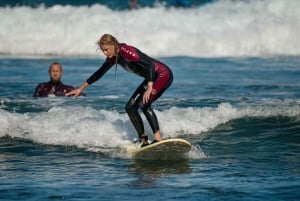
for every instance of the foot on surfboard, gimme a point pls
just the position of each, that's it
(154, 141)
(146, 143)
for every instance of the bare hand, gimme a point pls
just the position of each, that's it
(75, 92)
(147, 94)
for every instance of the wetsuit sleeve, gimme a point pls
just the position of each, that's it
(149, 65)
(38, 90)
(99, 73)
(146, 62)
(151, 75)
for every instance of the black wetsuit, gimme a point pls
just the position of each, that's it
(52, 89)
(135, 61)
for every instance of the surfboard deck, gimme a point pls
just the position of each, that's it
(170, 149)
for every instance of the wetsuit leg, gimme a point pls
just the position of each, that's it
(151, 117)
(136, 101)
(132, 107)
(159, 86)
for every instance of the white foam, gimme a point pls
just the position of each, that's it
(222, 28)
(102, 130)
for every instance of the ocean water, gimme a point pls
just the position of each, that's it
(235, 97)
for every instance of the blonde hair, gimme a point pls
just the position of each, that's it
(107, 39)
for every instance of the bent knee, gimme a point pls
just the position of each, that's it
(130, 106)
(145, 107)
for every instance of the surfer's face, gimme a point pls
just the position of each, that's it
(55, 73)
(108, 50)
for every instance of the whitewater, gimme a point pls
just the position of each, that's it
(218, 29)
(88, 128)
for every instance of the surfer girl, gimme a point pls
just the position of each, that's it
(157, 78)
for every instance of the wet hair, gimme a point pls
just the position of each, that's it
(55, 63)
(107, 39)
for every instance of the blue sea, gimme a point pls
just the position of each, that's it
(235, 97)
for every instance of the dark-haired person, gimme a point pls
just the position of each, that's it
(157, 78)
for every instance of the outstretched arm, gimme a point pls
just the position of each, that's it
(77, 92)
(93, 78)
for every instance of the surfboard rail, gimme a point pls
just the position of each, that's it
(169, 149)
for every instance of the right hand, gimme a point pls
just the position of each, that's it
(74, 92)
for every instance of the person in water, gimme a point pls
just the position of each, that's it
(133, 4)
(54, 87)
(157, 78)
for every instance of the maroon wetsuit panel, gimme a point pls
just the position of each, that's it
(162, 79)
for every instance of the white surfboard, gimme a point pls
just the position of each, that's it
(170, 149)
